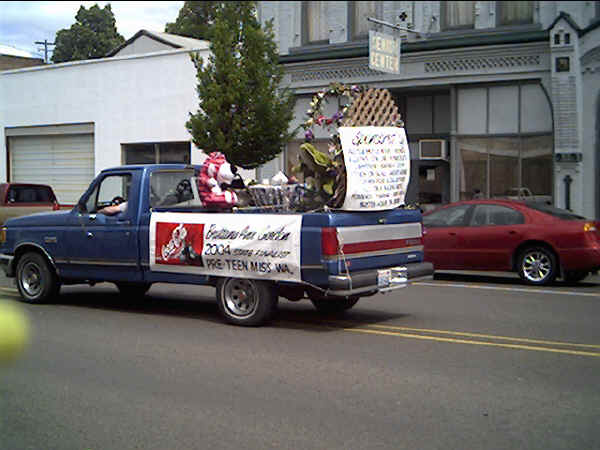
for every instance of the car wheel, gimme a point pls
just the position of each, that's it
(334, 305)
(133, 289)
(246, 302)
(575, 276)
(36, 280)
(537, 265)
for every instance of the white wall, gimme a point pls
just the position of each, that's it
(132, 99)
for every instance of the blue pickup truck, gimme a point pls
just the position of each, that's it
(162, 234)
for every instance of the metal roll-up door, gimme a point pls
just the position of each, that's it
(65, 162)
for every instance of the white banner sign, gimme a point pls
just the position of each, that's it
(259, 246)
(377, 167)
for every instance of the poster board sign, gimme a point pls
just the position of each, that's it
(258, 246)
(377, 167)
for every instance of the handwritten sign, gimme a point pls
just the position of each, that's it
(377, 166)
(384, 52)
(259, 246)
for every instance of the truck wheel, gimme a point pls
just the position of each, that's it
(36, 280)
(537, 265)
(334, 306)
(246, 302)
(133, 289)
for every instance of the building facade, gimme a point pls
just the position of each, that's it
(496, 96)
(61, 124)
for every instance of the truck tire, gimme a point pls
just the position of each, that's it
(36, 279)
(246, 302)
(133, 289)
(333, 305)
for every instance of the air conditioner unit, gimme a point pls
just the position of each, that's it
(432, 149)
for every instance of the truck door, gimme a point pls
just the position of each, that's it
(104, 244)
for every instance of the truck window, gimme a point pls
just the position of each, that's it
(30, 194)
(112, 189)
(173, 188)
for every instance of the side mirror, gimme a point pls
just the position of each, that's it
(81, 208)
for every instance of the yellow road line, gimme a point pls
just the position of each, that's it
(464, 341)
(507, 289)
(486, 336)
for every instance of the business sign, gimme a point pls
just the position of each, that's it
(384, 52)
(377, 167)
(258, 246)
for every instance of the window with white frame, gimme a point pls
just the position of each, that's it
(457, 15)
(314, 23)
(358, 13)
(514, 12)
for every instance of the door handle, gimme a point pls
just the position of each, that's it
(512, 232)
(452, 233)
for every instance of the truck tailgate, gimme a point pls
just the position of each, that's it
(355, 241)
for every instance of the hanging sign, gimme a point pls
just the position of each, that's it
(377, 167)
(258, 246)
(384, 52)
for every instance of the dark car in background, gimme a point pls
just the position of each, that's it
(536, 240)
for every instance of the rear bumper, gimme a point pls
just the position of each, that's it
(7, 265)
(580, 259)
(382, 280)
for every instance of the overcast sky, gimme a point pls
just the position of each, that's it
(24, 23)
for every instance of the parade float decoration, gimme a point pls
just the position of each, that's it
(216, 172)
(367, 163)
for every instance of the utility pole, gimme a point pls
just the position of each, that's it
(45, 44)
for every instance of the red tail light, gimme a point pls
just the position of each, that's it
(329, 241)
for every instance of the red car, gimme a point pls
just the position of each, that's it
(536, 240)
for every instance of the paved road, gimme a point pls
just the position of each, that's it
(462, 362)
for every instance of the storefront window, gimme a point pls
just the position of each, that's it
(474, 160)
(504, 165)
(497, 166)
(536, 163)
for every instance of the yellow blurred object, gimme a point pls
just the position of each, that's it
(14, 331)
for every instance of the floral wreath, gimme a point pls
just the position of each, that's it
(315, 113)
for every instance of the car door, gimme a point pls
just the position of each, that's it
(105, 247)
(493, 233)
(442, 236)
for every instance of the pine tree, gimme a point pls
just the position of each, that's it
(244, 112)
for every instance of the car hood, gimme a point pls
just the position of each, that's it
(42, 219)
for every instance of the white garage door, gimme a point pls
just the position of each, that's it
(65, 162)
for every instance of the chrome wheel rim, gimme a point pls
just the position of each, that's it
(537, 266)
(31, 279)
(241, 297)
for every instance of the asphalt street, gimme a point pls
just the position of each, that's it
(460, 362)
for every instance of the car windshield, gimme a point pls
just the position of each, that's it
(556, 212)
